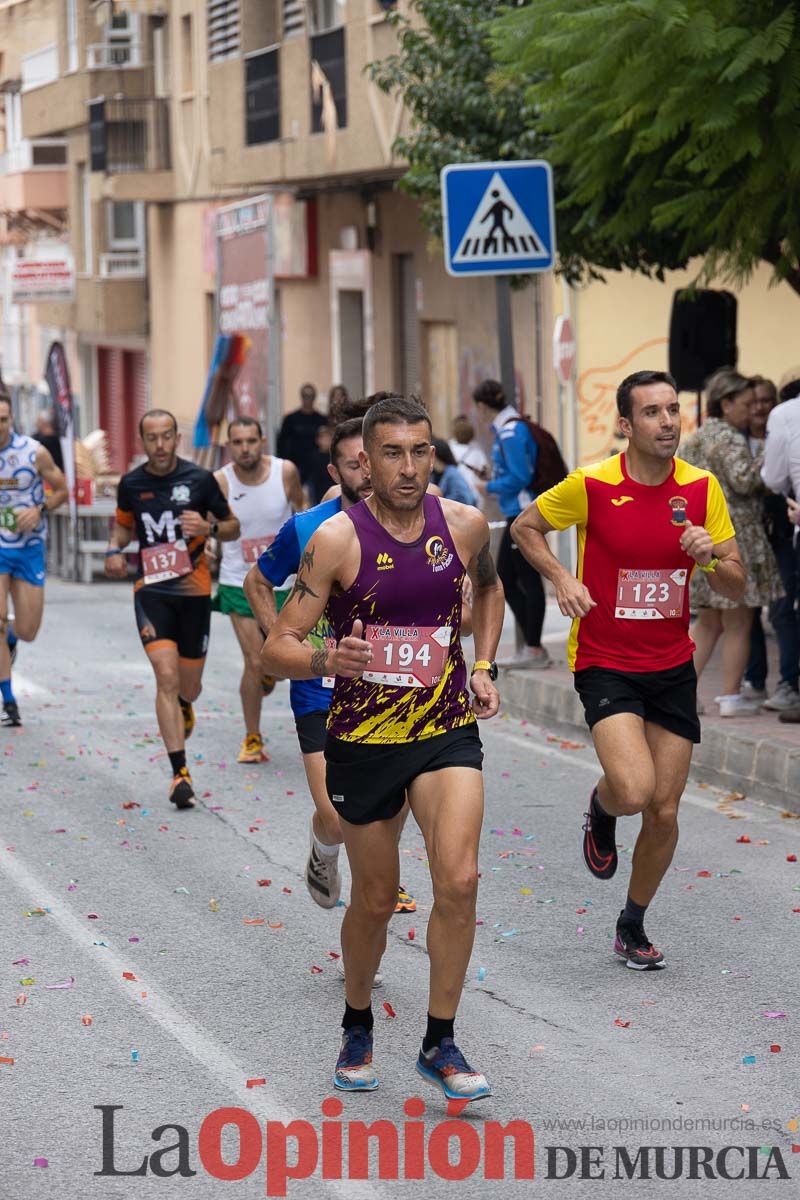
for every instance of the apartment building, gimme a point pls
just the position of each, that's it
(170, 110)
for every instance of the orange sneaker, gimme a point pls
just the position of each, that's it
(252, 749)
(181, 792)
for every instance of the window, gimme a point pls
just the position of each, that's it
(187, 57)
(72, 35)
(125, 225)
(325, 15)
(122, 40)
(224, 30)
(328, 52)
(293, 20)
(262, 98)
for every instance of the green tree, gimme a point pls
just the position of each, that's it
(672, 126)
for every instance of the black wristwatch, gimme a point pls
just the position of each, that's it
(213, 528)
(484, 665)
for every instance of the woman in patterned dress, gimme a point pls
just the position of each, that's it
(721, 446)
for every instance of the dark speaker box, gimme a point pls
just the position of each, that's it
(702, 337)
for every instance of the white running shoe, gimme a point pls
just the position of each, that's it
(323, 879)
(376, 983)
(738, 706)
(782, 698)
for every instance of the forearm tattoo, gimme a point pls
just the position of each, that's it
(485, 570)
(319, 661)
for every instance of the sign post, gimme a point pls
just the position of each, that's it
(499, 220)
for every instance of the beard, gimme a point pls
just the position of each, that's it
(354, 495)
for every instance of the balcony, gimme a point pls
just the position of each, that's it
(122, 264)
(33, 175)
(116, 303)
(103, 56)
(130, 144)
(54, 105)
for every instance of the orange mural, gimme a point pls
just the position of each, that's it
(597, 405)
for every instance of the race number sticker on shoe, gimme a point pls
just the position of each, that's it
(8, 519)
(407, 656)
(253, 548)
(655, 595)
(168, 560)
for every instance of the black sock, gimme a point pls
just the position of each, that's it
(177, 760)
(598, 809)
(633, 911)
(438, 1028)
(357, 1016)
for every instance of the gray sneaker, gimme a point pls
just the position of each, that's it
(323, 880)
(526, 660)
(784, 696)
(752, 693)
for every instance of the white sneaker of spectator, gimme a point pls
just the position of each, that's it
(738, 706)
(784, 696)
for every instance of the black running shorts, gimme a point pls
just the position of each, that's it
(368, 782)
(312, 730)
(666, 698)
(182, 620)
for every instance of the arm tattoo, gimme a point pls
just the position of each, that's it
(300, 590)
(307, 560)
(485, 571)
(319, 661)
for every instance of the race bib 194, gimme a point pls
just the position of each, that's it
(407, 656)
(253, 548)
(168, 560)
(653, 595)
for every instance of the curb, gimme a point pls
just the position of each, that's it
(767, 770)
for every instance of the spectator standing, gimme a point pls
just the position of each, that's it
(514, 455)
(47, 436)
(468, 452)
(721, 446)
(448, 477)
(318, 479)
(298, 433)
(774, 512)
(781, 474)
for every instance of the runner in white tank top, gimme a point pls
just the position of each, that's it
(263, 492)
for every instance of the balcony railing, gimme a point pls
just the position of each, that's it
(129, 135)
(104, 56)
(40, 67)
(122, 264)
(44, 154)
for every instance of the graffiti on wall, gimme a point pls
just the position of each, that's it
(597, 405)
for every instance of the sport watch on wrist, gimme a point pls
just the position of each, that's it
(213, 528)
(710, 567)
(483, 664)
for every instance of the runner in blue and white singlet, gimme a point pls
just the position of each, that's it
(25, 467)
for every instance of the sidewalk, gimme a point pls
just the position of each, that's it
(757, 756)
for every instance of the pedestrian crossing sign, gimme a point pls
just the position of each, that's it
(498, 218)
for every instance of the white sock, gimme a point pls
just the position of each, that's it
(328, 851)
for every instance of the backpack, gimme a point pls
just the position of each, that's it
(550, 465)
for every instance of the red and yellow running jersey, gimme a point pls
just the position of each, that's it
(630, 559)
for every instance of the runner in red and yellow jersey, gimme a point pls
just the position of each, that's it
(172, 506)
(645, 520)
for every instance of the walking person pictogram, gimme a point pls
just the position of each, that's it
(497, 212)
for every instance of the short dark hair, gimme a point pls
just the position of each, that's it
(490, 393)
(639, 379)
(245, 421)
(156, 412)
(394, 410)
(344, 430)
(444, 452)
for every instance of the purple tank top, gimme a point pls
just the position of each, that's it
(408, 595)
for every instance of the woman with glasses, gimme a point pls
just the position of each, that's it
(721, 445)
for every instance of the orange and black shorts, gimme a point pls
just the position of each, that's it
(166, 617)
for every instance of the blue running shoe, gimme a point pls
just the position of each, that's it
(354, 1070)
(446, 1067)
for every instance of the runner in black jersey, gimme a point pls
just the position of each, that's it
(173, 506)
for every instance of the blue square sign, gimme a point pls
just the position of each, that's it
(498, 218)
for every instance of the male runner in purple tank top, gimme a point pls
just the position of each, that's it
(390, 572)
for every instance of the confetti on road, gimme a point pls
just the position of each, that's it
(251, 1083)
(387, 1008)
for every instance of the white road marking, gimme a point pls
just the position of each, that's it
(180, 1025)
(26, 687)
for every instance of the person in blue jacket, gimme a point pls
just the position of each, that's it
(447, 476)
(514, 455)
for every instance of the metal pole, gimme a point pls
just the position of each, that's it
(505, 336)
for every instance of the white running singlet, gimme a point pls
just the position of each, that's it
(21, 486)
(261, 511)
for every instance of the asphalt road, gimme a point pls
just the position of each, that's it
(100, 877)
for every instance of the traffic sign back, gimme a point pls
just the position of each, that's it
(498, 218)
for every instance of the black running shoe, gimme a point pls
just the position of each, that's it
(11, 715)
(181, 792)
(631, 943)
(599, 841)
